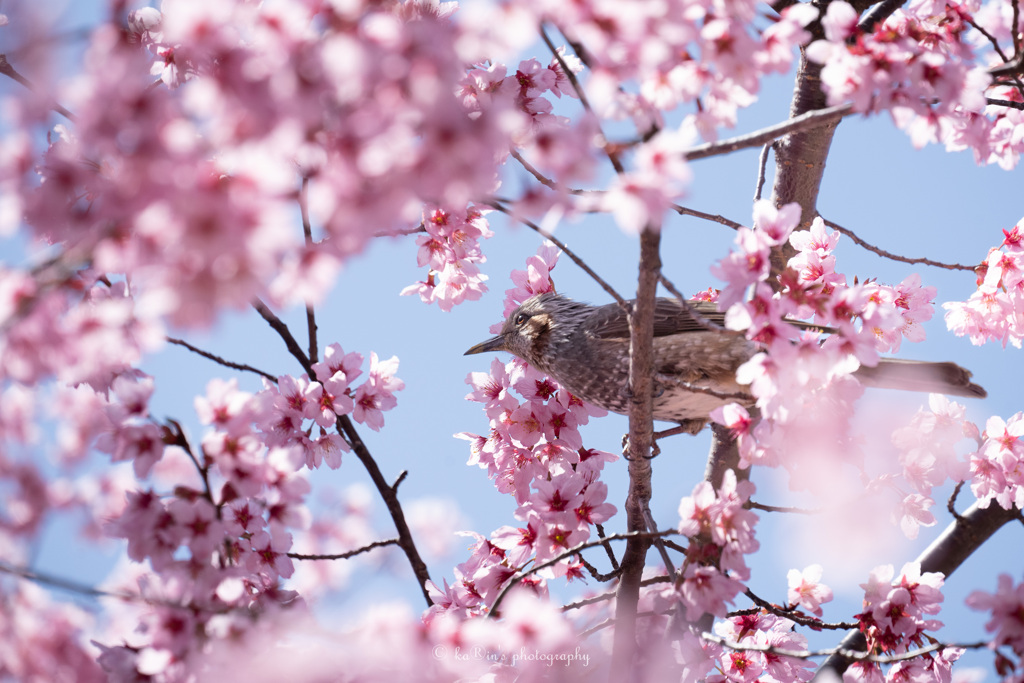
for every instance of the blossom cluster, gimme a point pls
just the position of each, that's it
(997, 467)
(219, 549)
(1007, 608)
(928, 458)
(656, 49)
(800, 382)
(920, 64)
(896, 619)
(216, 540)
(721, 532)
(759, 630)
(534, 452)
(996, 309)
(451, 250)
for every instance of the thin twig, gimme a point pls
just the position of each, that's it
(607, 623)
(610, 595)
(402, 233)
(851, 654)
(543, 179)
(350, 553)
(797, 617)
(715, 218)
(348, 430)
(307, 232)
(575, 550)
(598, 576)
(762, 170)
(776, 508)
(61, 583)
(584, 102)
(8, 70)
(670, 568)
(221, 361)
(989, 37)
(177, 435)
(561, 245)
(951, 503)
(66, 584)
(608, 548)
(286, 336)
(895, 257)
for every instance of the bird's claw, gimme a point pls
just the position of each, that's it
(655, 450)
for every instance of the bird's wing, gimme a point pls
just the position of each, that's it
(670, 317)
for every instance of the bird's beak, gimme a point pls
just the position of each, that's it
(492, 344)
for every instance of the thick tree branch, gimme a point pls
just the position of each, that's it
(641, 386)
(799, 123)
(945, 555)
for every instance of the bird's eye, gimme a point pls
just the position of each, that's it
(521, 319)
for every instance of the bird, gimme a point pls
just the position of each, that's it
(585, 348)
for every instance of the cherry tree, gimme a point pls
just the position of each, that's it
(175, 176)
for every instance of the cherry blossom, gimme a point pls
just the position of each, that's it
(217, 155)
(806, 589)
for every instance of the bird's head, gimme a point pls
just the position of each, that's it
(528, 329)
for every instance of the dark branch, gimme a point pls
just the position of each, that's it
(350, 553)
(775, 508)
(307, 232)
(715, 218)
(7, 70)
(950, 550)
(348, 430)
(221, 361)
(1005, 103)
(796, 617)
(878, 14)
(575, 550)
(561, 245)
(896, 257)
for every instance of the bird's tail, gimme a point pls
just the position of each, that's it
(914, 375)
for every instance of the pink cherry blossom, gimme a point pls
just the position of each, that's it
(806, 589)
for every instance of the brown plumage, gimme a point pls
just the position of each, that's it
(586, 349)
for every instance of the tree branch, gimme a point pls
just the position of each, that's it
(561, 245)
(641, 432)
(575, 550)
(348, 430)
(950, 550)
(350, 553)
(807, 121)
(221, 361)
(839, 651)
(896, 257)
(307, 232)
(7, 70)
